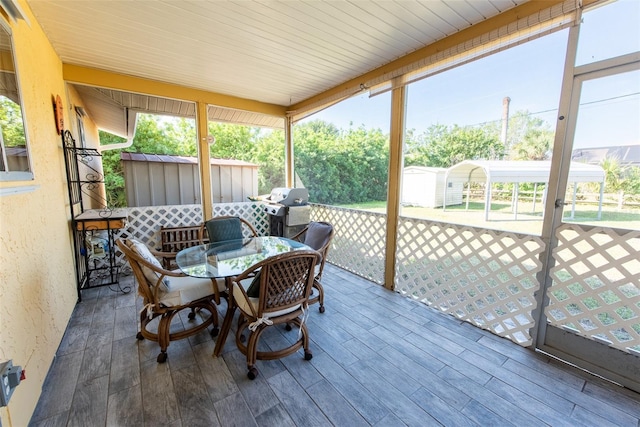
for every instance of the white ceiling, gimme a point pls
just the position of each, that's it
(278, 52)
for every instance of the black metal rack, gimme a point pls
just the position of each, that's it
(93, 229)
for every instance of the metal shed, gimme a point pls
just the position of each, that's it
(157, 180)
(424, 186)
(516, 172)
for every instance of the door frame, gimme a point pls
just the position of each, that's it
(584, 352)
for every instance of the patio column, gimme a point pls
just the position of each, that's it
(204, 160)
(288, 152)
(396, 134)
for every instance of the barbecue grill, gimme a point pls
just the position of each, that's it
(288, 210)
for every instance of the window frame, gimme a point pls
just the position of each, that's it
(17, 175)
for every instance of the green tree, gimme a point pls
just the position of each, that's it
(613, 174)
(529, 138)
(618, 178)
(444, 146)
(11, 123)
(233, 141)
(113, 172)
(269, 156)
(153, 138)
(341, 166)
(631, 181)
(182, 133)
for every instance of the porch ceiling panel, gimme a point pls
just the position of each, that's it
(240, 117)
(276, 52)
(109, 109)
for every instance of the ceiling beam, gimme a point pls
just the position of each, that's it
(110, 80)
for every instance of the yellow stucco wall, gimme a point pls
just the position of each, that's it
(37, 276)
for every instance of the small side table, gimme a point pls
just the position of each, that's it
(96, 263)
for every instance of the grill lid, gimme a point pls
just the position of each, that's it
(289, 196)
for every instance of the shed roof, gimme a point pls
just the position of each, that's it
(164, 158)
(625, 154)
(518, 171)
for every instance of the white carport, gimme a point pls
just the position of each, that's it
(516, 172)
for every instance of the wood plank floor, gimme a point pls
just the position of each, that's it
(378, 359)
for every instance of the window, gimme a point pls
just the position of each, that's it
(15, 164)
(80, 123)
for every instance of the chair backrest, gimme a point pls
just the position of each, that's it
(223, 228)
(146, 268)
(285, 280)
(318, 235)
(174, 239)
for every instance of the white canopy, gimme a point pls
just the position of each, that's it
(518, 171)
(493, 171)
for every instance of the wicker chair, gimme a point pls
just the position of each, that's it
(283, 285)
(165, 293)
(317, 235)
(222, 228)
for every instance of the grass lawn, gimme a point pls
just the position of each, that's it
(502, 218)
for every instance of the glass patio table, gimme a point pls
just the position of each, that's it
(229, 258)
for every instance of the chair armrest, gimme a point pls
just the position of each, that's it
(162, 254)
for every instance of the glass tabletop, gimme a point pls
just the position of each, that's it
(232, 257)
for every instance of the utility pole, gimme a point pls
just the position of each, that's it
(505, 120)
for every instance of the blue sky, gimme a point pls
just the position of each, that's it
(531, 76)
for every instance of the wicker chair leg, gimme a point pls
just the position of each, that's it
(224, 332)
(252, 351)
(163, 336)
(318, 286)
(143, 323)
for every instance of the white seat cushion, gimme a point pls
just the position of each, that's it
(249, 305)
(143, 252)
(183, 290)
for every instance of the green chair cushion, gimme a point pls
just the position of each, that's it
(224, 229)
(253, 291)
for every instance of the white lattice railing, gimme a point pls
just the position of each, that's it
(596, 285)
(143, 223)
(485, 277)
(359, 240)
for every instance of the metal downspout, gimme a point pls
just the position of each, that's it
(129, 116)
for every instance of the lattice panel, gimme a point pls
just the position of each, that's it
(595, 289)
(485, 277)
(358, 244)
(252, 212)
(144, 222)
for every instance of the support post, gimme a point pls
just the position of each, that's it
(516, 195)
(204, 160)
(289, 173)
(396, 136)
(487, 199)
(573, 200)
